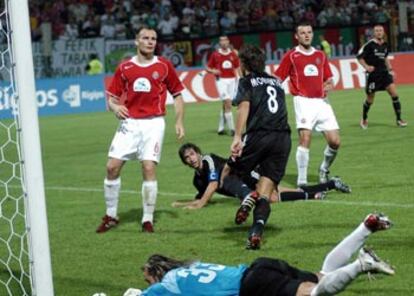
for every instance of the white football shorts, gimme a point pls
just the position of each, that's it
(314, 114)
(138, 139)
(226, 88)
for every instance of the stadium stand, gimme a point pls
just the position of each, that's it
(198, 18)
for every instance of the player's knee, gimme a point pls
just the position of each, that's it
(304, 141)
(148, 170)
(227, 105)
(305, 137)
(335, 143)
(370, 99)
(112, 170)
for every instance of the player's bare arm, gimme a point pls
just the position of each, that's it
(120, 111)
(242, 114)
(179, 116)
(367, 67)
(389, 67)
(207, 196)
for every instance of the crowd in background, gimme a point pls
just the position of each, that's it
(119, 19)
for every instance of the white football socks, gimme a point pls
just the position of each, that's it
(336, 281)
(229, 120)
(111, 193)
(340, 255)
(302, 161)
(329, 156)
(221, 122)
(149, 198)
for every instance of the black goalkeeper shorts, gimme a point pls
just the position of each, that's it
(273, 277)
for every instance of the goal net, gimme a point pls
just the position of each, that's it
(24, 246)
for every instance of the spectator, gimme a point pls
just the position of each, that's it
(381, 15)
(78, 10)
(152, 20)
(108, 29)
(287, 20)
(94, 66)
(137, 20)
(71, 29)
(256, 14)
(121, 31)
(91, 27)
(322, 18)
(309, 16)
(325, 46)
(175, 21)
(211, 22)
(226, 24)
(165, 26)
(231, 14)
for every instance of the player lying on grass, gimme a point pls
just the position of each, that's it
(208, 169)
(267, 276)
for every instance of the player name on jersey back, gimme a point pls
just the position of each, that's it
(256, 81)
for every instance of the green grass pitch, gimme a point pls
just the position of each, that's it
(378, 163)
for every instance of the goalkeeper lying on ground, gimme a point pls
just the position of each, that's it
(267, 276)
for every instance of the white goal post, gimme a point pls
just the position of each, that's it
(28, 144)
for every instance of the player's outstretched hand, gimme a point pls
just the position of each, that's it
(179, 131)
(181, 204)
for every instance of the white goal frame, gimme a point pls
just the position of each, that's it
(36, 219)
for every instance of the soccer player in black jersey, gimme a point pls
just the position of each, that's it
(373, 56)
(207, 173)
(265, 143)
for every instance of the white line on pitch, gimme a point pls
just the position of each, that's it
(178, 195)
(125, 191)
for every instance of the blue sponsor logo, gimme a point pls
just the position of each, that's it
(59, 96)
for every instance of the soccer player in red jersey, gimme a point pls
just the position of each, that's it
(145, 80)
(310, 80)
(224, 64)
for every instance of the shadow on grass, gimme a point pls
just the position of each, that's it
(83, 284)
(372, 290)
(134, 215)
(374, 125)
(292, 178)
(237, 234)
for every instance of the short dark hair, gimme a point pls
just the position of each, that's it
(302, 24)
(184, 148)
(144, 27)
(253, 58)
(158, 265)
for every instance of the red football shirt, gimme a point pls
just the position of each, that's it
(307, 72)
(145, 86)
(226, 63)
